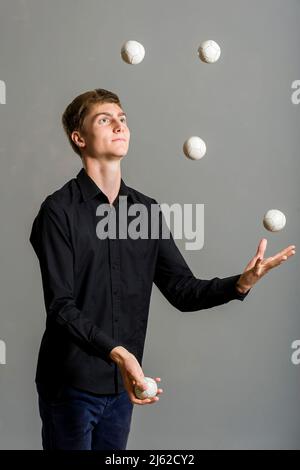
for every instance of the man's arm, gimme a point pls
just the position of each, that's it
(178, 284)
(119, 354)
(51, 242)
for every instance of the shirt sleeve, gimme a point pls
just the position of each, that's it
(181, 288)
(50, 239)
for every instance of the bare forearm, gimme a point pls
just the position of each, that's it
(242, 289)
(118, 354)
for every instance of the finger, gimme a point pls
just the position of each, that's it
(158, 379)
(153, 400)
(140, 384)
(290, 250)
(287, 256)
(285, 251)
(251, 264)
(253, 261)
(274, 261)
(283, 255)
(146, 401)
(262, 247)
(257, 264)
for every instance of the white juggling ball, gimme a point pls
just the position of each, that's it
(150, 391)
(209, 51)
(274, 220)
(132, 52)
(194, 148)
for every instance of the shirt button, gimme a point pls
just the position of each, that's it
(115, 292)
(116, 320)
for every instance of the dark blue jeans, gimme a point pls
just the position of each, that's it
(78, 420)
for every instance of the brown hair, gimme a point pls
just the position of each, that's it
(75, 112)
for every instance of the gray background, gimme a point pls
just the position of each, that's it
(227, 373)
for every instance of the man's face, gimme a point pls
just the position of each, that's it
(105, 132)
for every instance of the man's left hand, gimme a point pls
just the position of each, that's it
(258, 266)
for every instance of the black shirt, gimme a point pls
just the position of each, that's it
(97, 291)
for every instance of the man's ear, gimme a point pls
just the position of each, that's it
(78, 139)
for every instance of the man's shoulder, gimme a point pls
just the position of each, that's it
(61, 197)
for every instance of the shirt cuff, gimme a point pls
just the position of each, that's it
(104, 344)
(231, 289)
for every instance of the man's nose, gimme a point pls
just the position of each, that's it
(118, 126)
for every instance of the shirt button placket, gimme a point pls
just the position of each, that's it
(115, 283)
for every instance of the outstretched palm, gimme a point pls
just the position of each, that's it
(258, 266)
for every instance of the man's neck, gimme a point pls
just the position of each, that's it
(106, 175)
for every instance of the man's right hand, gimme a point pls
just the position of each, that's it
(132, 375)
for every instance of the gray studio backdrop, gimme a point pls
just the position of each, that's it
(227, 374)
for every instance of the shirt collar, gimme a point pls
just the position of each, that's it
(90, 189)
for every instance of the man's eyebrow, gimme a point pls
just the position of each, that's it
(107, 114)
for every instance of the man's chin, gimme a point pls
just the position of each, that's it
(121, 156)
(113, 156)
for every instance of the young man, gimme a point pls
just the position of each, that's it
(97, 289)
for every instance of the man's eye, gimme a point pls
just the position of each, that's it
(106, 119)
